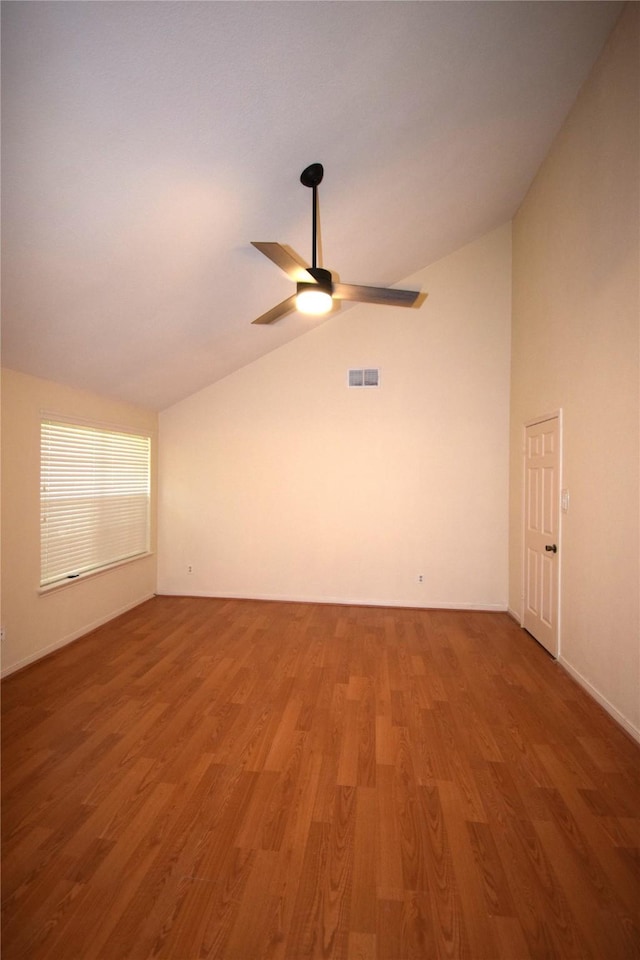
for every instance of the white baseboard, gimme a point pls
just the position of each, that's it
(341, 601)
(39, 654)
(630, 728)
(514, 616)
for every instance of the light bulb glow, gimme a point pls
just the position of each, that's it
(313, 300)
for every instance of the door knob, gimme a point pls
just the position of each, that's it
(551, 548)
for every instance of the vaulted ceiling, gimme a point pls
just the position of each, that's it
(145, 144)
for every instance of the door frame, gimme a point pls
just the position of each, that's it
(523, 559)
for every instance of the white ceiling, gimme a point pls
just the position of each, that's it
(145, 144)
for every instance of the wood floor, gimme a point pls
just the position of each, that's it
(241, 780)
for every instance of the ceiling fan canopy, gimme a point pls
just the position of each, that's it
(316, 291)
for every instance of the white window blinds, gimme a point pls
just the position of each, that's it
(94, 499)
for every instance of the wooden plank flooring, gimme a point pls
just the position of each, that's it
(240, 780)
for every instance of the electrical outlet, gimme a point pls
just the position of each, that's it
(420, 578)
(2, 634)
(189, 569)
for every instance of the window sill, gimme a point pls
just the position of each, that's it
(90, 574)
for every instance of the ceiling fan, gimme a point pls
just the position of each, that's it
(316, 290)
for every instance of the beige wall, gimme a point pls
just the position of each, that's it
(280, 482)
(35, 623)
(575, 347)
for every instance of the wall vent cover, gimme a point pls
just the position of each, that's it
(366, 377)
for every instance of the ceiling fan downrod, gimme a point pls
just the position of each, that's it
(311, 177)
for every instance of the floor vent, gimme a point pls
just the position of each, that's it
(369, 377)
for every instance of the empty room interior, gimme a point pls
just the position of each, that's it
(320, 631)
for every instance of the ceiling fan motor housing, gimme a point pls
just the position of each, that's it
(322, 277)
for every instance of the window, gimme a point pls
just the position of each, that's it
(94, 498)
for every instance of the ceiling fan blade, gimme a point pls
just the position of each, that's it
(287, 306)
(383, 295)
(285, 258)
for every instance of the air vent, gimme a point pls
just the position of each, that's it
(368, 377)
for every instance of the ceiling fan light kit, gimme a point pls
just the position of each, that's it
(312, 299)
(316, 292)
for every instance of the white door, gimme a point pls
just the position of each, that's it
(541, 560)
